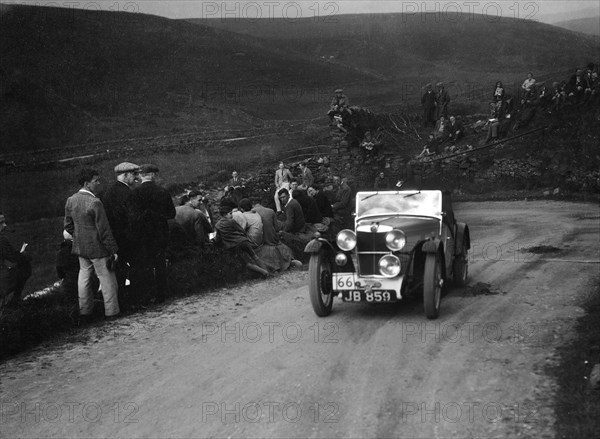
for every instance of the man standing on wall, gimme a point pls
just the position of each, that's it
(94, 243)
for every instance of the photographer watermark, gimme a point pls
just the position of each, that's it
(466, 412)
(270, 332)
(270, 412)
(521, 333)
(253, 11)
(454, 11)
(68, 411)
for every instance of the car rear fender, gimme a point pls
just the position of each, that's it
(463, 237)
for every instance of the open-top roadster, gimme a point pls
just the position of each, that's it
(403, 242)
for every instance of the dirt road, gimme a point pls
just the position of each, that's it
(255, 361)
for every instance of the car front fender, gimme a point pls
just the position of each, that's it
(315, 245)
(431, 246)
(463, 237)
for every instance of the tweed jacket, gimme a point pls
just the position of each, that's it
(86, 221)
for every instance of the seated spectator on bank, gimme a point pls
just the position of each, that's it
(440, 131)
(306, 176)
(576, 87)
(294, 217)
(15, 268)
(339, 104)
(456, 130)
(195, 224)
(254, 224)
(493, 124)
(233, 237)
(309, 207)
(530, 104)
(273, 253)
(529, 81)
(381, 182)
(499, 92)
(370, 144)
(544, 95)
(294, 185)
(323, 203)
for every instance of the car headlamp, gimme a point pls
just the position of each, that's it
(346, 240)
(389, 265)
(395, 240)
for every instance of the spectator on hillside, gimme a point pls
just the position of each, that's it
(558, 99)
(15, 268)
(323, 203)
(381, 182)
(116, 202)
(432, 147)
(544, 95)
(194, 223)
(232, 236)
(151, 208)
(294, 217)
(254, 224)
(343, 206)
(499, 92)
(370, 144)
(440, 131)
(529, 81)
(311, 212)
(576, 87)
(235, 188)
(275, 255)
(306, 176)
(530, 103)
(428, 103)
(86, 221)
(496, 114)
(283, 177)
(339, 104)
(456, 129)
(442, 99)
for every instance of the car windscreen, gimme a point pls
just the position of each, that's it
(425, 203)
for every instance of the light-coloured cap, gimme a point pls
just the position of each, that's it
(124, 167)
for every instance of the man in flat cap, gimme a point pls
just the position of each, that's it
(151, 208)
(116, 202)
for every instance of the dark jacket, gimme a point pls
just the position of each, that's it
(323, 204)
(343, 205)
(151, 208)
(116, 202)
(294, 217)
(309, 207)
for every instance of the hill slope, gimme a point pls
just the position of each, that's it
(401, 46)
(588, 25)
(72, 75)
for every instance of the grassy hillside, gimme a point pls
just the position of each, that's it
(401, 47)
(71, 76)
(588, 25)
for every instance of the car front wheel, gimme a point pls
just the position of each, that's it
(320, 284)
(432, 285)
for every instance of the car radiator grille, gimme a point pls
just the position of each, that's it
(370, 248)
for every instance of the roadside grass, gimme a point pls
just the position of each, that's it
(576, 404)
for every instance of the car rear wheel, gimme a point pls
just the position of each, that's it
(320, 284)
(432, 285)
(460, 270)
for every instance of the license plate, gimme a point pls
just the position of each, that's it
(344, 281)
(369, 296)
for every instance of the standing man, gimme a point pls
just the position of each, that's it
(151, 208)
(442, 99)
(15, 268)
(342, 208)
(428, 102)
(94, 243)
(307, 177)
(116, 202)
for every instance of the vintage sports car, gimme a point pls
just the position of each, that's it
(403, 243)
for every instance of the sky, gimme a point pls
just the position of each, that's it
(548, 11)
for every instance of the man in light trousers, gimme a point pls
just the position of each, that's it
(94, 243)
